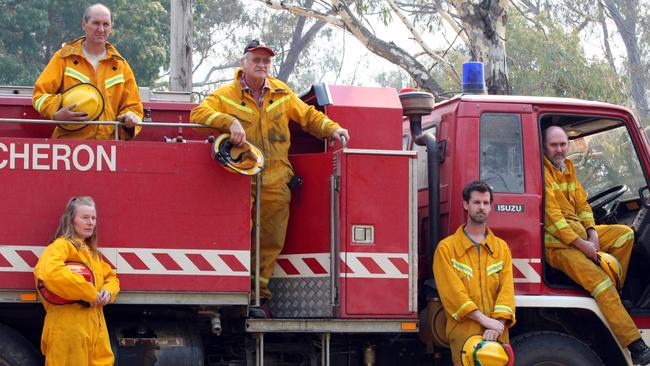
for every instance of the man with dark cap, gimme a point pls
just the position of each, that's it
(257, 107)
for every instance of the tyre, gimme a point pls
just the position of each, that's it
(15, 350)
(552, 349)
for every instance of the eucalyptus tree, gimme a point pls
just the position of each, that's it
(478, 26)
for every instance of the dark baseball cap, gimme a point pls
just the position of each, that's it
(255, 45)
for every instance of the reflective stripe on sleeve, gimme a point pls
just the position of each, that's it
(561, 224)
(502, 309)
(212, 117)
(39, 102)
(585, 215)
(557, 225)
(460, 309)
(550, 239)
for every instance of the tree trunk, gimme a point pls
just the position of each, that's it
(485, 25)
(348, 21)
(180, 70)
(603, 24)
(624, 13)
(388, 51)
(298, 44)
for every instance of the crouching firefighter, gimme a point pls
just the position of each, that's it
(475, 267)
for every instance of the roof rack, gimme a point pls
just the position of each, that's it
(146, 94)
(149, 95)
(18, 91)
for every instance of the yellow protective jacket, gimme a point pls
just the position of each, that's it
(268, 127)
(567, 214)
(67, 284)
(114, 78)
(470, 280)
(74, 334)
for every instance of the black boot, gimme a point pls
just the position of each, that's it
(260, 312)
(640, 352)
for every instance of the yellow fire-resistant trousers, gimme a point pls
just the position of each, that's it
(464, 330)
(274, 217)
(616, 240)
(74, 335)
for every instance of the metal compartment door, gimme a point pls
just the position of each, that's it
(378, 249)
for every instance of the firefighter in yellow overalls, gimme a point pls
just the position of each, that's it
(473, 270)
(572, 240)
(90, 60)
(75, 333)
(257, 108)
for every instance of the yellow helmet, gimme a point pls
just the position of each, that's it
(246, 159)
(477, 352)
(87, 98)
(612, 267)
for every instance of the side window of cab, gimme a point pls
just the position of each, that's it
(501, 155)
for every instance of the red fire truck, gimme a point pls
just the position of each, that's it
(353, 285)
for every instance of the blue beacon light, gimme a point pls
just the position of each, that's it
(473, 80)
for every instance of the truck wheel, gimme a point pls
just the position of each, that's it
(552, 349)
(15, 350)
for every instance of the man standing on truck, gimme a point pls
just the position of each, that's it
(257, 107)
(473, 270)
(90, 60)
(572, 239)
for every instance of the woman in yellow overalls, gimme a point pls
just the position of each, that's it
(76, 333)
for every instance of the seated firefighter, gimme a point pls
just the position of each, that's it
(87, 79)
(573, 240)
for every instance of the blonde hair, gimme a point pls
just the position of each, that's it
(66, 227)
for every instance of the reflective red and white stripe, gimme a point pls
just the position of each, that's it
(352, 265)
(145, 261)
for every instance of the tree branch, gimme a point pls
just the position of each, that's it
(603, 24)
(418, 38)
(302, 11)
(523, 14)
(348, 21)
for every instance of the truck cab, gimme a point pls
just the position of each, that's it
(498, 139)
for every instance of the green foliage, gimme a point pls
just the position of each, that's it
(26, 38)
(605, 160)
(31, 31)
(557, 66)
(397, 79)
(141, 35)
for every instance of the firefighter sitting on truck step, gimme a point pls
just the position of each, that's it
(257, 107)
(473, 270)
(111, 88)
(572, 240)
